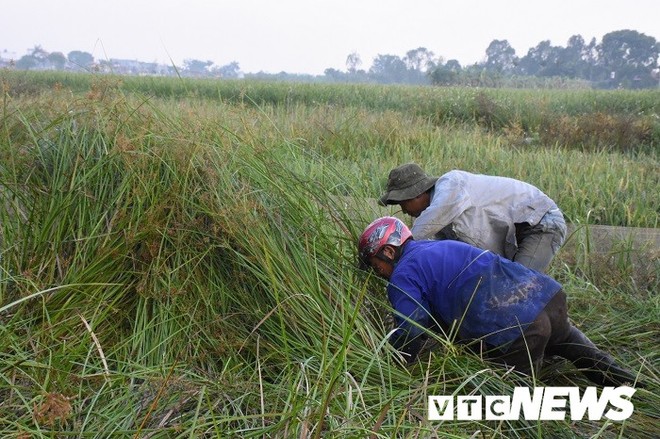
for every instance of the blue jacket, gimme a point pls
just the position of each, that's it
(450, 283)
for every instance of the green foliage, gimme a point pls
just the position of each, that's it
(620, 120)
(183, 265)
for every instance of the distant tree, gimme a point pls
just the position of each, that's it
(353, 62)
(420, 59)
(231, 70)
(57, 60)
(389, 69)
(530, 64)
(453, 65)
(35, 58)
(630, 56)
(334, 74)
(196, 67)
(443, 76)
(447, 74)
(500, 56)
(83, 60)
(574, 58)
(27, 62)
(542, 60)
(591, 60)
(38, 53)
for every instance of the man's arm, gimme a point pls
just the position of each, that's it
(412, 317)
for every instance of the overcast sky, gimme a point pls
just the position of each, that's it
(307, 36)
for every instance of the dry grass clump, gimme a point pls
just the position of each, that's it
(597, 132)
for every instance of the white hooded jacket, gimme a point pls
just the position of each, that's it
(481, 210)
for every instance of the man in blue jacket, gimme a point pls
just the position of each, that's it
(518, 315)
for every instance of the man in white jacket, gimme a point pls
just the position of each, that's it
(506, 216)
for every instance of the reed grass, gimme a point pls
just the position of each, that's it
(595, 120)
(185, 268)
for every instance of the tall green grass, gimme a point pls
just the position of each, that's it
(593, 120)
(185, 268)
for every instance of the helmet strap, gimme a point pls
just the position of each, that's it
(390, 260)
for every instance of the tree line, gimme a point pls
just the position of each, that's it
(622, 59)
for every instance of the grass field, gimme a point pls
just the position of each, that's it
(177, 258)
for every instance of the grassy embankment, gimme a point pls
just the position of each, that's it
(175, 260)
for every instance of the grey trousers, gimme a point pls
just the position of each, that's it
(538, 244)
(553, 334)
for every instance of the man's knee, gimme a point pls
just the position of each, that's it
(557, 312)
(526, 353)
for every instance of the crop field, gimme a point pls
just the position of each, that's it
(177, 257)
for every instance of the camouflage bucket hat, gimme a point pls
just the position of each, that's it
(406, 182)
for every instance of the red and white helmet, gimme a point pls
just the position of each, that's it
(387, 230)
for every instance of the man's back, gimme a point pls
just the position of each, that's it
(482, 210)
(487, 295)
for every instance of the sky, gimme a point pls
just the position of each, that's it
(307, 36)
